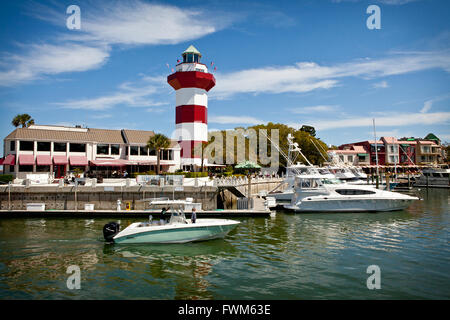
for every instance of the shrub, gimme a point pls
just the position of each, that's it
(5, 178)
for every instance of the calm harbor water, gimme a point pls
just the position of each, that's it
(302, 256)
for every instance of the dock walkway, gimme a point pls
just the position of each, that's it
(129, 213)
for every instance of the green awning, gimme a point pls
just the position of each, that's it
(362, 154)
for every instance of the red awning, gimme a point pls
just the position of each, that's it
(147, 162)
(10, 160)
(43, 160)
(78, 161)
(26, 159)
(109, 163)
(60, 160)
(1, 161)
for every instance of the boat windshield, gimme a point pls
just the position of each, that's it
(308, 183)
(331, 181)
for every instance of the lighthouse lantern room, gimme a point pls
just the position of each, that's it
(191, 82)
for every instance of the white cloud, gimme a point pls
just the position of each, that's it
(388, 120)
(314, 109)
(129, 94)
(427, 106)
(103, 24)
(309, 76)
(46, 59)
(235, 120)
(382, 84)
(389, 2)
(136, 22)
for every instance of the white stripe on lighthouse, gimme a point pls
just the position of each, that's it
(189, 96)
(191, 131)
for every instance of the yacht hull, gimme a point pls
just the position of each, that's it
(180, 233)
(351, 205)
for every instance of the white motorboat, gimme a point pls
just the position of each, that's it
(176, 230)
(316, 194)
(433, 177)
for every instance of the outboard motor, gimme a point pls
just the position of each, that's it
(110, 230)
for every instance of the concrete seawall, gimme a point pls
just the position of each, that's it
(103, 198)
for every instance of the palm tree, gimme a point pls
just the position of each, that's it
(200, 149)
(158, 142)
(24, 120)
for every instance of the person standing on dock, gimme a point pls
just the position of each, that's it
(193, 216)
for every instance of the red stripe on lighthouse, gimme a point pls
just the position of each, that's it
(191, 113)
(192, 79)
(187, 149)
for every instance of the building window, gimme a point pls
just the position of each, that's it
(12, 145)
(26, 145)
(134, 150)
(354, 192)
(25, 168)
(350, 158)
(102, 149)
(115, 149)
(42, 168)
(341, 157)
(152, 152)
(361, 158)
(43, 146)
(59, 147)
(77, 147)
(143, 151)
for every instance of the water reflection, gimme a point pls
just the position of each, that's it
(289, 256)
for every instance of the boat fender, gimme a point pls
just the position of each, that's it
(110, 230)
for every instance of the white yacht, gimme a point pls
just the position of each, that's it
(176, 230)
(316, 194)
(433, 177)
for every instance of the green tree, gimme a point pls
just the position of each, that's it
(158, 142)
(24, 120)
(309, 129)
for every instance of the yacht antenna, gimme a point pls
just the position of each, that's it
(376, 146)
(320, 152)
(406, 154)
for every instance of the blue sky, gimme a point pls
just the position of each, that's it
(311, 62)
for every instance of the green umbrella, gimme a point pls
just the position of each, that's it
(248, 165)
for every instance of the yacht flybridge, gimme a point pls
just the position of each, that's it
(316, 194)
(176, 230)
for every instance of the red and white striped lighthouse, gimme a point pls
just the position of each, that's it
(191, 81)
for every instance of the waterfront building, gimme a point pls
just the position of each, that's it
(58, 149)
(191, 82)
(350, 155)
(392, 151)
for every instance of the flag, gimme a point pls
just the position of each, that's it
(168, 67)
(178, 60)
(215, 68)
(172, 70)
(212, 63)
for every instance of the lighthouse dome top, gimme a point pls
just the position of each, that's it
(191, 55)
(191, 49)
